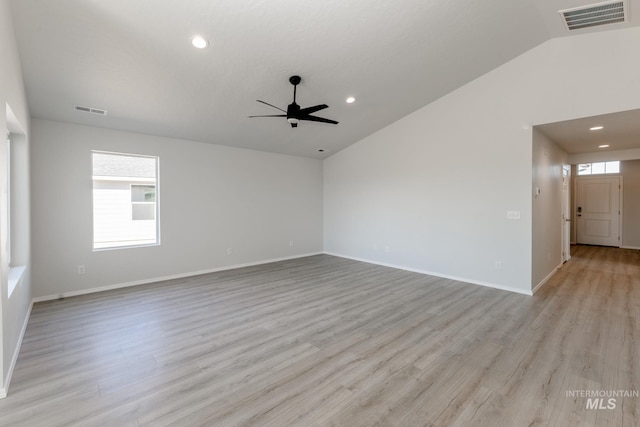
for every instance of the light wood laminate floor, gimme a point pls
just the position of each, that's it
(327, 341)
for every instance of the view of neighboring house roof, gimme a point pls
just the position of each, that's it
(130, 166)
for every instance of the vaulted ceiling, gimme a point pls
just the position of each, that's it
(134, 59)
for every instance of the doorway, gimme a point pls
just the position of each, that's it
(598, 210)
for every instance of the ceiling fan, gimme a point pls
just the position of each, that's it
(294, 113)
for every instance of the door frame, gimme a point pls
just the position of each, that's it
(620, 202)
(566, 216)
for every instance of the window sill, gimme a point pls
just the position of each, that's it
(131, 246)
(15, 275)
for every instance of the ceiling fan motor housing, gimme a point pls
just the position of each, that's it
(295, 80)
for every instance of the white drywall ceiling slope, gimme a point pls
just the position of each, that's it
(134, 59)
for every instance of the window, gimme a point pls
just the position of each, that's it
(598, 168)
(14, 158)
(9, 195)
(125, 200)
(17, 208)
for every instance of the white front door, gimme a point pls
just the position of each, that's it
(598, 211)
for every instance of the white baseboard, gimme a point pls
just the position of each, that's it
(14, 359)
(546, 279)
(631, 247)
(160, 279)
(431, 273)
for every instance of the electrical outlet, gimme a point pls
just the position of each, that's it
(498, 265)
(229, 251)
(81, 269)
(291, 243)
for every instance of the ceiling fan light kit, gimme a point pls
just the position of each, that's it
(294, 113)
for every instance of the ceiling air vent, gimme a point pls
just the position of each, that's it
(91, 110)
(609, 12)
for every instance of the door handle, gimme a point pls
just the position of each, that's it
(567, 219)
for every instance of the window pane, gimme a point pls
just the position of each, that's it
(584, 169)
(597, 167)
(124, 200)
(121, 165)
(143, 193)
(143, 211)
(613, 167)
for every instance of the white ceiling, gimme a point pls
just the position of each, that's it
(134, 59)
(621, 131)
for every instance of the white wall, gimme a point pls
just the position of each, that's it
(604, 156)
(436, 185)
(630, 171)
(13, 311)
(211, 198)
(547, 221)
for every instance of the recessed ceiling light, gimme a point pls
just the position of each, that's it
(603, 146)
(199, 42)
(596, 128)
(351, 100)
(322, 151)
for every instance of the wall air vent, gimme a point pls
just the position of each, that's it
(91, 110)
(609, 12)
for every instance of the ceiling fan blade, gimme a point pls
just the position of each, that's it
(270, 105)
(270, 115)
(310, 110)
(317, 119)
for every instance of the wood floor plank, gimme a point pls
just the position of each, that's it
(326, 341)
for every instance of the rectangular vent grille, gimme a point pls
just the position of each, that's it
(91, 110)
(610, 12)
